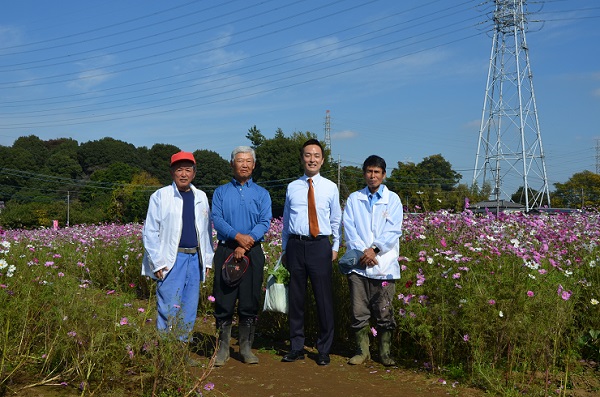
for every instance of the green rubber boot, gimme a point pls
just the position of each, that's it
(223, 345)
(362, 350)
(246, 340)
(385, 344)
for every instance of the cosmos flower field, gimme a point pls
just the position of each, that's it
(509, 304)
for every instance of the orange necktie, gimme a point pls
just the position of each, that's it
(313, 221)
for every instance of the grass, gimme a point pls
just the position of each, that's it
(506, 304)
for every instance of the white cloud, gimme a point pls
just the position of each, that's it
(344, 135)
(9, 37)
(92, 73)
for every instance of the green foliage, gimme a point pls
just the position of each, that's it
(278, 163)
(95, 176)
(158, 159)
(281, 274)
(94, 155)
(211, 171)
(582, 190)
(72, 314)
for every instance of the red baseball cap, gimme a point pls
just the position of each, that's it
(181, 156)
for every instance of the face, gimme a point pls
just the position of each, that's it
(312, 159)
(243, 165)
(183, 174)
(374, 178)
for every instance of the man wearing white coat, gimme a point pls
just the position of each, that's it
(178, 248)
(373, 225)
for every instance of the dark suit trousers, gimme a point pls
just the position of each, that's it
(310, 259)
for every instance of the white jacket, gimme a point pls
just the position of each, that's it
(382, 226)
(163, 227)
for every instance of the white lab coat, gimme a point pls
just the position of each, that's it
(163, 227)
(381, 226)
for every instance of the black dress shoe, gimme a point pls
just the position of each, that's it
(323, 359)
(293, 355)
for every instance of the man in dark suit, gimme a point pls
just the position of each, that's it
(311, 215)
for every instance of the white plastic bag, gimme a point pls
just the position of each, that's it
(276, 296)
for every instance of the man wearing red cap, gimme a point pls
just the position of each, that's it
(177, 247)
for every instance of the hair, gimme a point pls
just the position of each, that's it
(374, 161)
(312, 142)
(243, 149)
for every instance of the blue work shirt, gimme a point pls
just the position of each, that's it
(244, 209)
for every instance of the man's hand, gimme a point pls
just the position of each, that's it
(239, 253)
(333, 255)
(245, 241)
(159, 273)
(369, 258)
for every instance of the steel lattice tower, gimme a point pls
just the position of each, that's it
(510, 153)
(328, 133)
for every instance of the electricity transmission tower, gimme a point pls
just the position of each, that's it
(509, 152)
(328, 133)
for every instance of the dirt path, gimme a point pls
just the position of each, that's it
(271, 377)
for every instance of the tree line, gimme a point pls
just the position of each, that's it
(109, 180)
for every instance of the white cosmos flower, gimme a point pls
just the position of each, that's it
(500, 313)
(3, 264)
(594, 301)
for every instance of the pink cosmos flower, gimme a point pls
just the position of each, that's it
(373, 331)
(141, 309)
(209, 386)
(492, 302)
(211, 298)
(112, 291)
(384, 284)
(124, 321)
(466, 337)
(530, 294)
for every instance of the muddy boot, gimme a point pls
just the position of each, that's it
(362, 350)
(223, 344)
(385, 344)
(246, 340)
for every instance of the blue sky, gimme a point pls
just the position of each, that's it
(402, 79)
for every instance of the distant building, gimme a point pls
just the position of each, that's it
(495, 206)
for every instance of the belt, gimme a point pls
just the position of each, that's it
(187, 250)
(233, 244)
(307, 238)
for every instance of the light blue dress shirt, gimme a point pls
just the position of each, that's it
(329, 211)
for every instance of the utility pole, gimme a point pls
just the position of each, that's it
(509, 152)
(598, 156)
(68, 206)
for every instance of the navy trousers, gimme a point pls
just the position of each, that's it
(310, 260)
